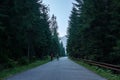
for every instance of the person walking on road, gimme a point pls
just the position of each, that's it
(51, 56)
(57, 57)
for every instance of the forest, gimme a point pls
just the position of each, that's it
(94, 30)
(30, 37)
(27, 33)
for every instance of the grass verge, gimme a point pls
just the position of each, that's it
(100, 71)
(8, 72)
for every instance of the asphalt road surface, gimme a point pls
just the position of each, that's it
(64, 69)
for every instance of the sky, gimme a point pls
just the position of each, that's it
(62, 10)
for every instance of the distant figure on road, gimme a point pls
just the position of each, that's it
(51, 56)
(57, 57)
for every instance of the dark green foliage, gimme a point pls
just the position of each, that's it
(62, 49)
(24, 31)
(94, 30)
(55, 39)
(24, 60)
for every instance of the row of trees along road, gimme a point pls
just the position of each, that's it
(57, 48)
(24, 32)
(94, 30)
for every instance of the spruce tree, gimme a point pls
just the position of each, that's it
(94, 29)
(55, 39)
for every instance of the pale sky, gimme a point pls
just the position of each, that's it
(61, 9)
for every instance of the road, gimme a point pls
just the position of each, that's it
(64, 69)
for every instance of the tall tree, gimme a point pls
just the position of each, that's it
(55, 38)
(24, 31)
(62, 50)
(95, 38)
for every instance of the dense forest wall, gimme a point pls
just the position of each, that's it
(94, 30)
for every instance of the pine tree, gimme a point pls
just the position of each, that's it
(73, 33)
(94, 29)
(62, 49)
(24, 31)
(55, 39)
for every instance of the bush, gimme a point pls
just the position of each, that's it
(23, 61)
(11, 63)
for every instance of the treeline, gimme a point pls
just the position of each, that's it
(94, 30)
(57, 48)
(25, 33)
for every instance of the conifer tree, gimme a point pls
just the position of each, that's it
(55, 38)
(94, 29)
(24, 31)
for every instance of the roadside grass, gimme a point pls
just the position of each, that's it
(9, 72)
(108, 74)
